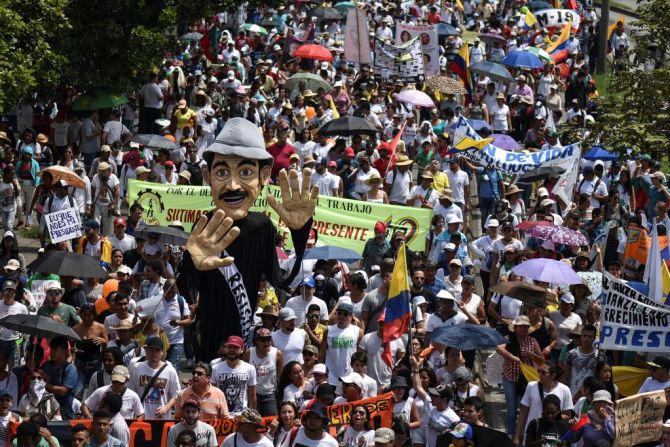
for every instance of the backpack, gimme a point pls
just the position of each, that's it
(69, 198)
(196, 172)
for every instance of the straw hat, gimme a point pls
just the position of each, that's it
(308, 93)
(373, 177)
(513, 189)
(404, 160)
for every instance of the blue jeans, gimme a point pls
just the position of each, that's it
(486, 206)
(512, 402)
(174, 355)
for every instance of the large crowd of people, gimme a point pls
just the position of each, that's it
(320, 341)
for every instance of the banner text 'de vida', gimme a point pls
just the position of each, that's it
(340, 222)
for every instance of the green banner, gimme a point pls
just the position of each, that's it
(339, 222)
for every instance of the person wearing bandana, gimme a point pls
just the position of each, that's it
(230, 249)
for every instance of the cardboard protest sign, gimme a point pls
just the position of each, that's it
(398, 63)
(639, 418)
(341, 222)
(153, 433)
(63, 225)
(631, 321)
(427, 35)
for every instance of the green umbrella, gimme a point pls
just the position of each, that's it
(539, 52)
(314, 82)
(253, 28)
(343, 7)
(96, 100)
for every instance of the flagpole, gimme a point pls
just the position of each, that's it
(411, 314)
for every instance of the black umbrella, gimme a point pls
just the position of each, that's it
(536, 5)
(467, 337)
(64, 263)
(323, 13)
(540, 174)
(154, 141)
(526, 292)
(168, 235)
(38, 325)
(348, 126)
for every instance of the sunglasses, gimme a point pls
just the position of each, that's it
(198, 373)
(40, 378)
(54, 292)
(343, 312)
(315, 316)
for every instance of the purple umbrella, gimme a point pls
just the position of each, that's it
(505, 142)
(416, 98)
(547, 270)
(558, 235)
(491, 37)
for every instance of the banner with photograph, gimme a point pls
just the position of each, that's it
(427, 35)
(631, 321)
(339, 222)
(398, 63)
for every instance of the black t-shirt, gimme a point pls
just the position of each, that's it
(549, 432)
(428, 295)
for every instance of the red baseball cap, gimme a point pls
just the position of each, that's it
(119, 222)
(332, 163)
(236, 341)
(349, 152)
(169, 163)
(383, 146)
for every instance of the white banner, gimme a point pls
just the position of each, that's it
(427, 35)
(63, 225)
(557, 17)
(512, 163)
(403, 63)
(631, 321)
(566, 182)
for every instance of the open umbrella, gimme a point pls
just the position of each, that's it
(547, 270)
(600, 153)
(65, 263)
(445, 29)
(254, 28)
(416, 98)
(558, 234)
(493, 70)
(504, 142)
(313, 51)
(38, 326)
(490, 37)
(522, 59)
(64, 173)
(539, 52)
(536, 5)
(97, 100)
(313, 82)
(523, 291)
(446, 85)
(528, 224)
(348, 126)
(154, 141)
(343, 7)
(168, 235)
(330, 252)
(325, 13)
(191, 36)
(467, 337)
(540, 173)
(478, 125)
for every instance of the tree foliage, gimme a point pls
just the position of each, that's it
(28, 60)
(635, 112)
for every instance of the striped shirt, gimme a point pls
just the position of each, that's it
(213, 403)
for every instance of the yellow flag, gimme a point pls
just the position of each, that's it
(529, 372)
(336, 114)
(459, 5)
(665, 275)
(612, 27)
(468, 143)
(629, 379)
(562, 38)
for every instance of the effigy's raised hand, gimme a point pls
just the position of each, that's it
(298, 204)
(209, 239)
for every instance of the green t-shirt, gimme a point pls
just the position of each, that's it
(67, 313)
(43, 442)
(423, 159)
(41, 277)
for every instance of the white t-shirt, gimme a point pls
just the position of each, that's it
(204, 434)
(564, 326)
(431, 197)
(153, 96)
(114, 130)
(168, 311)
(509, 307)
(435, 321)
(400, 188)
(651, 384)
(326, 182)
(457, 182)
(234, 383)
(377, 368)
(436, 422)
(60, 133)
(302, 440)
(130, 409)
(352, 437)
(531, 399)
(230, 442)
(361, 176)
(104, 194)
(500, 114)
(112, 321)
(127, 243)
(295, 394)
(165, 388)
(13, 309)
(588, 187)
(291, 344)
(342, 343)
(300, 306)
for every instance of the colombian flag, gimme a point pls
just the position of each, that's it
(529, 20)
(562, 42)
(610, 31)
(459, 65)
(397, 315)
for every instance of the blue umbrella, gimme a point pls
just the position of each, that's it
(493, 70)
(536, 5)
(330, 252)
(445, 29)
(467, 336)
(522, 59)
(600, 153)
(478, 125)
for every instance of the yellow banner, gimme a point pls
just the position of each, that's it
(340, 222)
